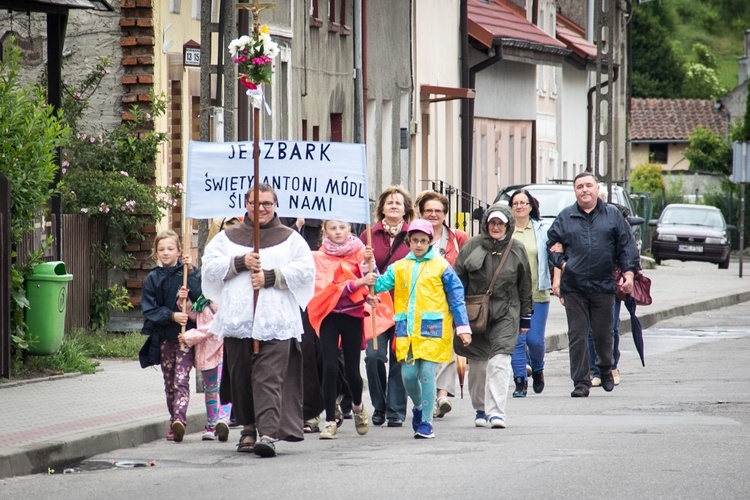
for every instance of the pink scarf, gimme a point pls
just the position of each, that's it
(349, 246)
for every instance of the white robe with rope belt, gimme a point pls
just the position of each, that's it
(278, 315)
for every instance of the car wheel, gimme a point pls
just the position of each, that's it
(724, 264)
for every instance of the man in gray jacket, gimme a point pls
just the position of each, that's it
(596, 239)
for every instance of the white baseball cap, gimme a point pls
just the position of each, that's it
(498, 215)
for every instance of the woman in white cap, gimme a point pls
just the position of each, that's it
(510, 309)
(428, 300)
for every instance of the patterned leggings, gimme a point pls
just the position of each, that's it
(215, 412)
(419, 381)
(175, 366)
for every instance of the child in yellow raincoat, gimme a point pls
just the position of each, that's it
(428, 301)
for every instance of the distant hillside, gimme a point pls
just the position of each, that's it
(718, 24)
(669, 29)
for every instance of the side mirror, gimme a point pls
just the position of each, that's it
(731, 227)
(636, 221)
(653, 222)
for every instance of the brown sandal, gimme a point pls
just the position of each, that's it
(247, 441)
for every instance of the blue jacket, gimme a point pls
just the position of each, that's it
(594, 246)
(159, 300)
(540, 233)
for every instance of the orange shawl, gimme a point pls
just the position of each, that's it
(331, 277)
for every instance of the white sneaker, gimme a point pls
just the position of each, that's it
(497, 422)
(361, 422)
(481, 419)
(442, 407)
(330, 431)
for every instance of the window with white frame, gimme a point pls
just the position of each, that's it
(174, 6)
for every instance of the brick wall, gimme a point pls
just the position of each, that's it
(137, 44)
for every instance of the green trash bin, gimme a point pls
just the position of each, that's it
(47, 292)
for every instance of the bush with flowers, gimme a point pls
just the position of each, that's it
(110, 174)
(254, 57)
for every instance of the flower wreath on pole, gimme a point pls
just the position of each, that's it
(254, 57)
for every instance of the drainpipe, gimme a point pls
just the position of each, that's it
(359, 119)
(467, 105)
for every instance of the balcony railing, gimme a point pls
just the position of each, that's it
(464, 210)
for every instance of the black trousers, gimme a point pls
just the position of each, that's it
(584, 312)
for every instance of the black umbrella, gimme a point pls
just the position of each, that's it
(635, 325)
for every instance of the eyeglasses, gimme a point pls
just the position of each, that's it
(520, 203)
(496, 222)
(432, 211)
(265, 204)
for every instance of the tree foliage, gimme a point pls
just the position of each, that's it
(647, 178)
(657, 70)
(701, 82)
(709, 152)
(30, 133)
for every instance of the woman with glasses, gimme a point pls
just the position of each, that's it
(530, 231)
(433, 207)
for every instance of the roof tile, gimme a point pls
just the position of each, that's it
(673, 119)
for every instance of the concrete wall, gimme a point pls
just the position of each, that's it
(504, 110)
(574, 114)
(502, 156)
(639, 154)
(388, 98)
(505, 90)
(693, 183)
(89, 35)
(322, 69)
(436, 152)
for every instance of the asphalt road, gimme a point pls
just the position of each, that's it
(678, 428)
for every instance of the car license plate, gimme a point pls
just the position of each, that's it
(689, 248)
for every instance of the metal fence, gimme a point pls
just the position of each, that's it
(5, 255)
(465, 211)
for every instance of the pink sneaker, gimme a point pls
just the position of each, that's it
(170, 434)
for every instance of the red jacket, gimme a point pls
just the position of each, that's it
(456, 239)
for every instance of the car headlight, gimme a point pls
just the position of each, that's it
(667, 237)
(716, 241)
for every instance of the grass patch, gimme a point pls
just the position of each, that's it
(102, 344)
(78, 353)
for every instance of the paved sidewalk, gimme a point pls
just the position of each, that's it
(63, 420)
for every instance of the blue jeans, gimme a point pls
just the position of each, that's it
(534, 340)
(616, 347)
(387, 394)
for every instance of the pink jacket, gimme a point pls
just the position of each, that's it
(209, 350)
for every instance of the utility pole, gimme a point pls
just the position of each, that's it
(604, 25)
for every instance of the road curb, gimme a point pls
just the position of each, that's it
(75, 447)
(67, 450)
(559, 340)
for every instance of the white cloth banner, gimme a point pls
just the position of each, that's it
(316, 180)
